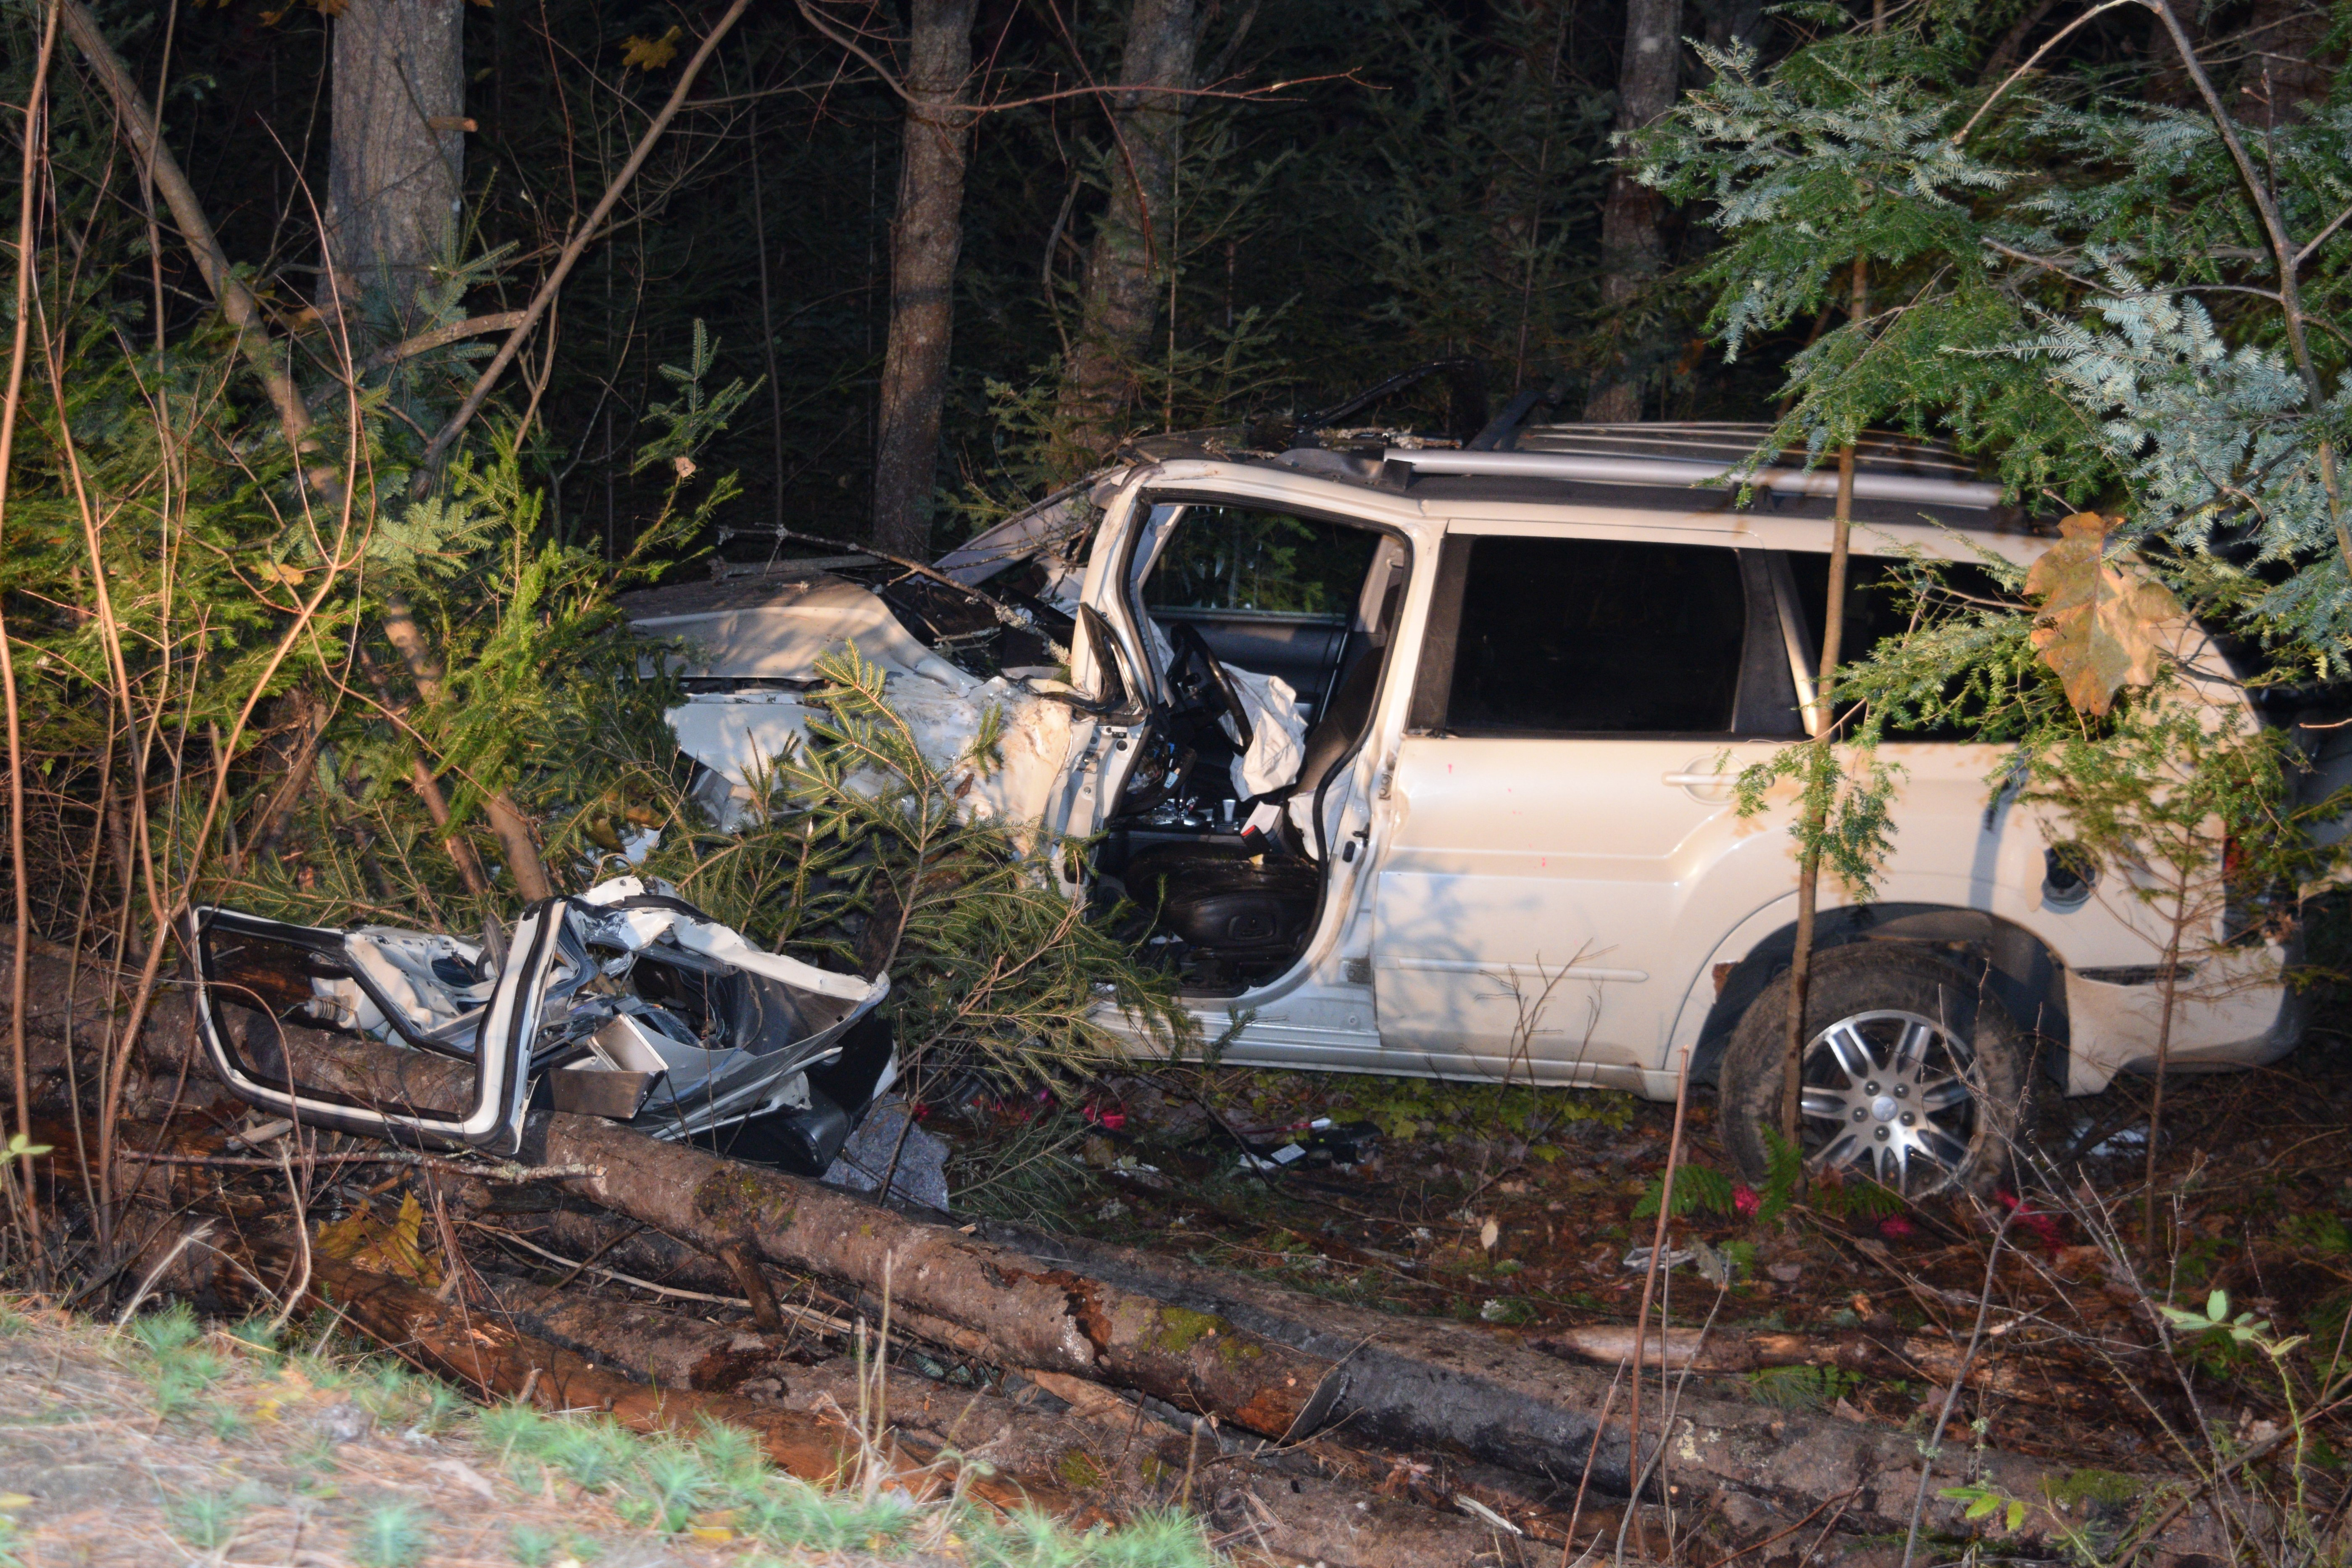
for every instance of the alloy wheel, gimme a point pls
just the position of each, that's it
(1888, 1093)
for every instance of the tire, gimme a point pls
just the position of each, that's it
(1965, 1092)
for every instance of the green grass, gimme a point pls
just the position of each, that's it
(392, 1536)
(208, 1520)
(665, 1485)
(177, 1363)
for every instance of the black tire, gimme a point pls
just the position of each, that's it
(1964, 1094)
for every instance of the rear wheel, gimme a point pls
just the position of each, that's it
(1911, 1076)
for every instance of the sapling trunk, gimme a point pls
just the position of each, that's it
(24, 908)
(2180, 915)
(1820, 792)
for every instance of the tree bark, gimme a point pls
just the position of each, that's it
(395, 162)
(1131, 249)
(1633, 249)
(924, 245)
(1420, 1384)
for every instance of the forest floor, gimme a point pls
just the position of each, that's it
(1523, 1210)
(1519, 1214)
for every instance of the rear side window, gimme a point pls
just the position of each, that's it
(1882, 608)
(1584, 636)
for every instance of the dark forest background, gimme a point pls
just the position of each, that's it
(1433, 185)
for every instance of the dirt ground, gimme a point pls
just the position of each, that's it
(168, 1443)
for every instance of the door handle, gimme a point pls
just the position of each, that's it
(1698, 781)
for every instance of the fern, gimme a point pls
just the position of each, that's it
(1696, 1190)
(1800, 1388)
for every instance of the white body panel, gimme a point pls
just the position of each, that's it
(1493, 870)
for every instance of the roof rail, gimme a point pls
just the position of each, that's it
(1684, 473)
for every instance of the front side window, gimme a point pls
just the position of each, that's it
(1232, 558)
(1586, 636)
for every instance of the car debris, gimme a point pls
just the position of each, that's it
(626, 1001)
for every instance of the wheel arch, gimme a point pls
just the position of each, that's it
(2017, 966)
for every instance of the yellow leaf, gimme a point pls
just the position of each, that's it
(649, 54)
(345, 1236)
(2101, 619)
(15, 1499)
(711, 1532)
(365, 1242)
(278, 571)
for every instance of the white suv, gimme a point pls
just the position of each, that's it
(1419, 760)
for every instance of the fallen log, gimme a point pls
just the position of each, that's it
(480, 1351)
(1126, 1318)
(1294, 1506)
(1045, 1317)
(643, 1344)
(1418, 1384)
(1731, 1352)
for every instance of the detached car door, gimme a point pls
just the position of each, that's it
(1564, 842)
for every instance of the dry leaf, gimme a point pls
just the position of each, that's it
(278, 571)
(365, 1242)
(1490, 1234)
(2100, 621)
(649, 54)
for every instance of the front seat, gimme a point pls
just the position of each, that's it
(1243, 905)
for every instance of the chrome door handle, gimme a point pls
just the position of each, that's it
(1698, 781)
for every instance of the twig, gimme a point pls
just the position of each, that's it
(2055, 40)
(440, 337)
(302, 1234)
(1649, 1288)
(1952, 1395)
(806, 1314)
(1600, 1428)
(438, 447)
(20, 955)
(504, 1172)
(201, 1233)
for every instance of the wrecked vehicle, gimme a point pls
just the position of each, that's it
(1418, 758)
(625, 1003)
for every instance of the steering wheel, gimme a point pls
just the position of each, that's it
(1196, 673)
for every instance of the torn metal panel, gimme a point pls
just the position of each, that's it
(626, 1001)
(1054, 531)
(772, 631)
(740, 736)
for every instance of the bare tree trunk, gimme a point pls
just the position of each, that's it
(924, 245)
(1633, 249)
(1131, 243)
(397, 157)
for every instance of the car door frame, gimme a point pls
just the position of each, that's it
(1321, 1011)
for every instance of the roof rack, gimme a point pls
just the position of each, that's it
(1887, 467)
